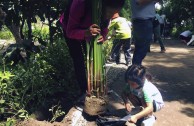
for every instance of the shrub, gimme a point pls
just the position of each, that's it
(9, 98)
(47, 74)
(6, 34)
(107, 48)
(40, 81)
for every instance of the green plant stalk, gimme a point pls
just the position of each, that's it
(89, 65)
(95, 56)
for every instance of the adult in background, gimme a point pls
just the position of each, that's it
(143, 13)
(156, 30)
(162, 24)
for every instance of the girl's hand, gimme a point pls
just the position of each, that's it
(128, 107)
(93, 30)
(133, 119)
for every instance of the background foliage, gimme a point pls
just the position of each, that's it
(44, 81)
(179, 14)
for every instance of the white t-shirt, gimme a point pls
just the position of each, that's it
(186, 33)
(151, 93)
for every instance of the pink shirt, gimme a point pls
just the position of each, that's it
(78, 21)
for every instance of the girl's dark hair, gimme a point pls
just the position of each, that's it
(136, 73)
(114, 3)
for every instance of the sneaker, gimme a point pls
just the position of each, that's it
(163, 50)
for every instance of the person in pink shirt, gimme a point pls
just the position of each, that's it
(78, 28)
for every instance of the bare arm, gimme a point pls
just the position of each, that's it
(145, 112)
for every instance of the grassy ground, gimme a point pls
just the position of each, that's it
(6, 34)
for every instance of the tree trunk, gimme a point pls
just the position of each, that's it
(15, 30)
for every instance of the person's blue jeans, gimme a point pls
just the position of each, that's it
(142, 33)
(126, 47)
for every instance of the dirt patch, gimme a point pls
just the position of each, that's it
(33, 122)
(95, 106)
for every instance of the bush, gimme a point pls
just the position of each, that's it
(10, 99)
(107, 48)
(39, 30)
(42, 80)
(47, 74)
(6, 34)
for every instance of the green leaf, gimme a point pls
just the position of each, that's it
(5, 75)
(2, 110)
(2, 101)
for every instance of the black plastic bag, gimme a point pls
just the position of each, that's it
(109, 122)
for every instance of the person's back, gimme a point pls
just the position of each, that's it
(159, 18)
(186, 36)
(152, 91)
(186, 33)
(144, 11)
(121, 27)
(163, 19)
(162, 24)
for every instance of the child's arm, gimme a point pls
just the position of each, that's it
(145, 112)
(124, 96)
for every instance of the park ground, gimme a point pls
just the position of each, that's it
(173, 74)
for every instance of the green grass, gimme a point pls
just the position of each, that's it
(38, 30)
(6, 34)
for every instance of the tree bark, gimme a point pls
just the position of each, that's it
(15, 30)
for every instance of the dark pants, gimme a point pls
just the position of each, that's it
(157, 37)
(162, 29)
(126, 47)
(77, 50)
(187, 39)
(142, 33)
